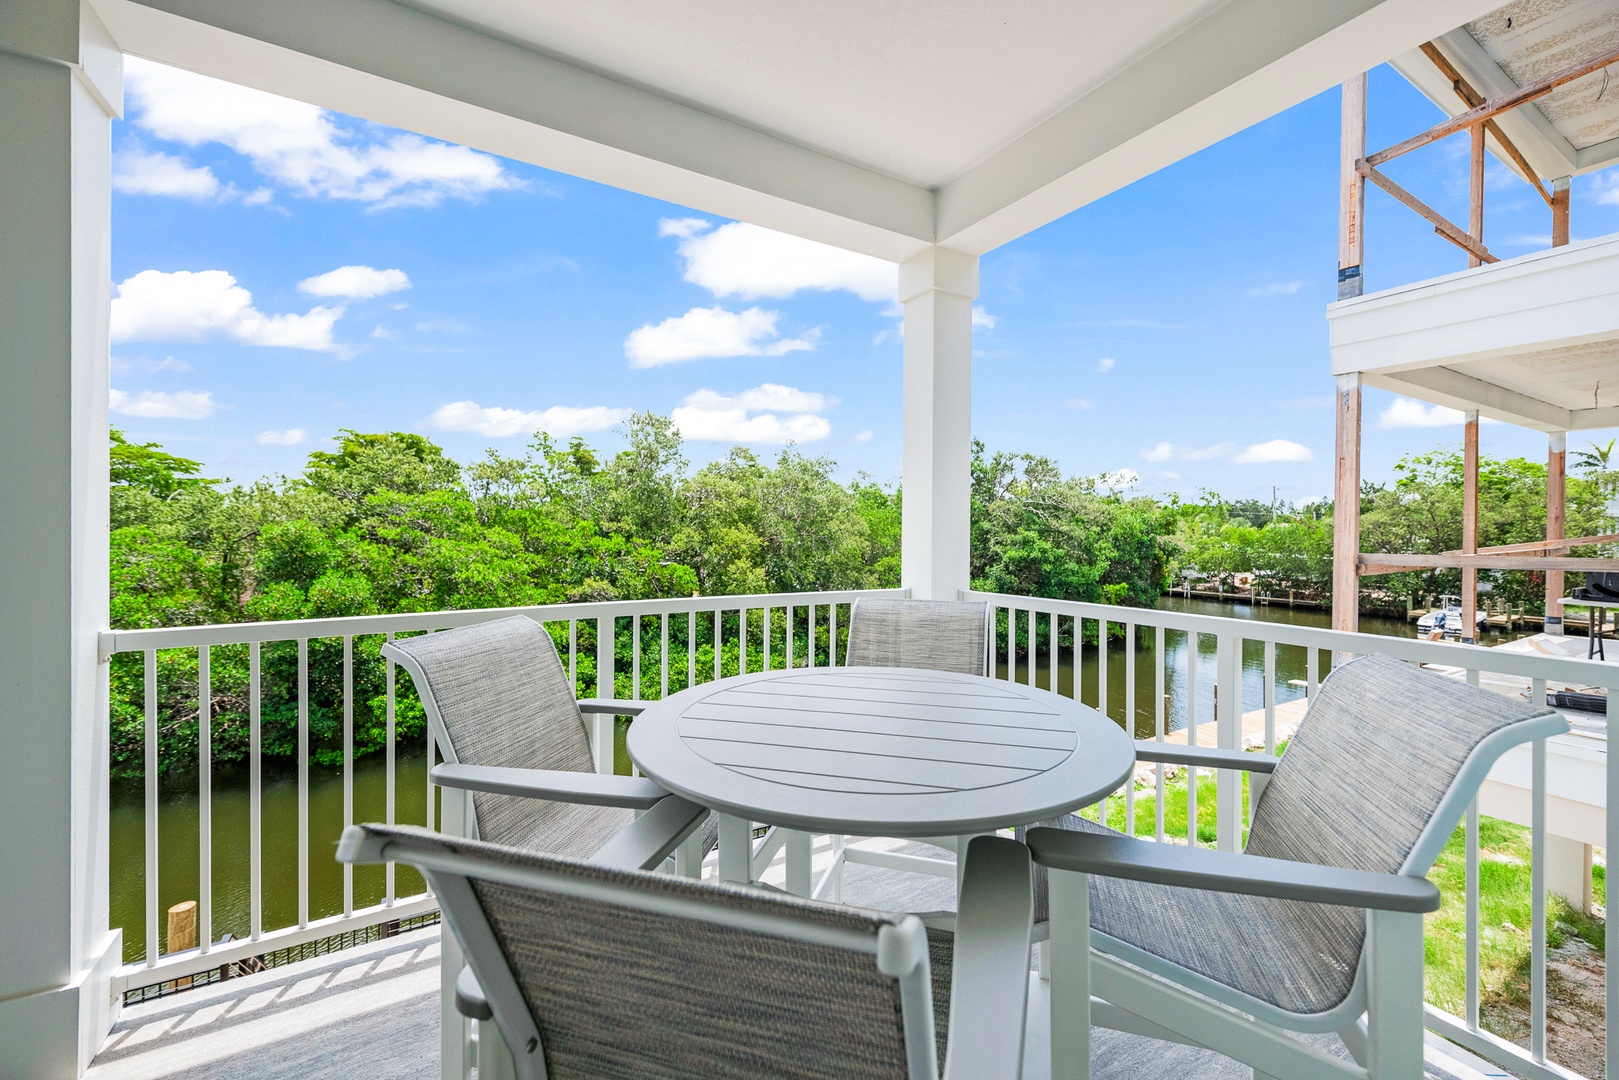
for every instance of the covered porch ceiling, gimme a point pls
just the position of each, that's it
(883, 128)
(1572, 130)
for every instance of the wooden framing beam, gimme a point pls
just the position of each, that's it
(1473, 99)
(1475, 195)
(1352, 190)
(1441, 224)
(1376, 562)
(1556, 522)
(1557, 543)
(1560, 190)
(1492, 107)
(1346, 507)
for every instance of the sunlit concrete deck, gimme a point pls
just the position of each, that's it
(372, 1011)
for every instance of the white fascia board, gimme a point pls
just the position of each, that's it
(1245, 62)
(399, 66)
(1442, 386)
(1561, 296)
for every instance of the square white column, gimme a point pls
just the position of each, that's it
(61, 81)
(937, 288)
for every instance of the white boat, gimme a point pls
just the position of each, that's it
(1447, 618)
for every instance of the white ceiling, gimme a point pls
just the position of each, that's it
(918, 89)
(882, 126)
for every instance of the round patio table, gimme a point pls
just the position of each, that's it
(871, 751)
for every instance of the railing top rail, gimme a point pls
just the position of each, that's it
(1443, 653)
(176, 637)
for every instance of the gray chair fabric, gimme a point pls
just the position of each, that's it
(620, 993)
(504, 699)
(1360, 782)
(942, 635)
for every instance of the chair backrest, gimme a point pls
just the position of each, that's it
(1384, 764)
(601, 973)
(943, 635)
(495, 693)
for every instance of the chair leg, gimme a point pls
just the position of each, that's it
(689, 856)
(1394, 996)
(1070, 956)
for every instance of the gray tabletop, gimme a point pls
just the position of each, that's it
(880, 751)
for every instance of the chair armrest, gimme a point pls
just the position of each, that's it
(1207, 757)
(469, 997)
(1223, 871)
(989, 993)
(653, 836)
(554, 785)
(610, 705)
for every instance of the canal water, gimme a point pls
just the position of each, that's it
(178, 810)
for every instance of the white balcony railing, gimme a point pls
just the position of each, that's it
(1201, 672)
(794, 619)
(1181, 672)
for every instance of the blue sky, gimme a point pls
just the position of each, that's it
(281, 272)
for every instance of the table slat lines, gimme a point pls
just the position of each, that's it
(899, 745)
(1006, 709)
(846, 784)
(886, 724)
(951, 775)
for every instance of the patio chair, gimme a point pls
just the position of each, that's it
(943, 635)
(503, 713)
(1317, 925)
(598, 970)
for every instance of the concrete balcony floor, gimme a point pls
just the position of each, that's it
(372, 1011)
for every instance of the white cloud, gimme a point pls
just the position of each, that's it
(1607, 189)
(750, 262)
(983, 320)
(1082, 404)
(302, 147)
(1277, 288)
(864, 436)
(157, 405)
(706, 416)
(1105, 363)
(198, 305)
(560, 421)
(355, 282)
(711, 332)
(683, 227)
(1119, 481)
(136, 171)
(1406, 413)
(148, 366)
(289, 437)
(1266, 453)
(1167, 451)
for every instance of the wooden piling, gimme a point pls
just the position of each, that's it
(183, 931)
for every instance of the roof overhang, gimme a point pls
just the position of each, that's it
(1532, 341)
(1169, 87)
(1571, 131)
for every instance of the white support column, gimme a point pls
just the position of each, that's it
(937, 288)
(61, 81)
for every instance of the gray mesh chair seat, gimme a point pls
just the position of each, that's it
(1298, 956)
(941, 635)
(496, 695)
(610, 973)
